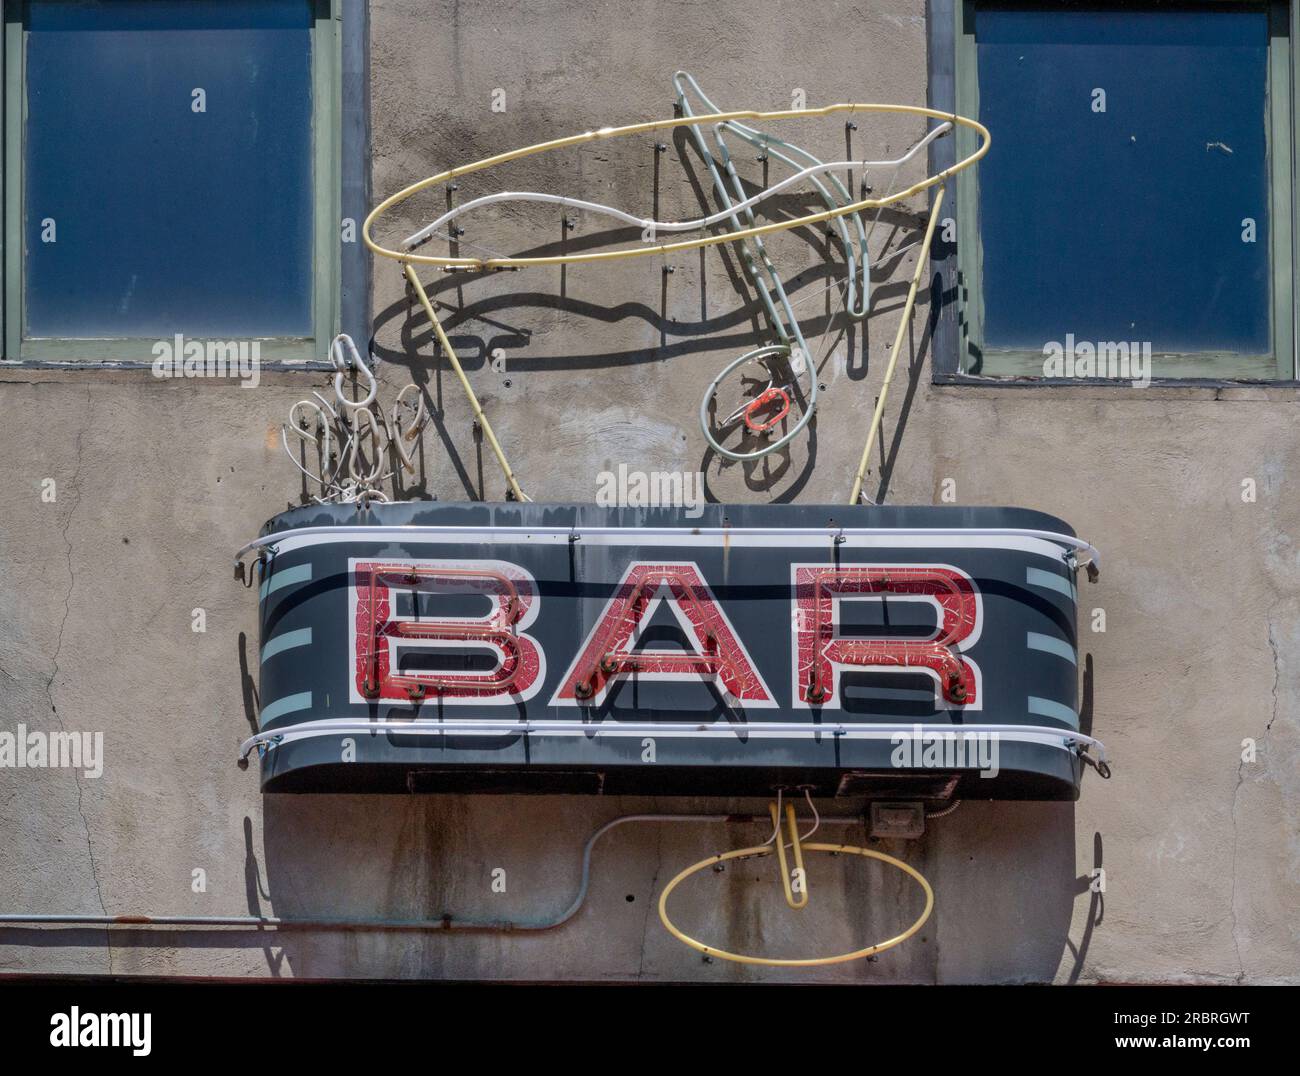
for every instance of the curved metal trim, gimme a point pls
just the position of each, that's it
(379, 532)
(1052, 736)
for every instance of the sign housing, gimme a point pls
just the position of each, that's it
(912, 652)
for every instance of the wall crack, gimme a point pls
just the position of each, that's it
(75, 485)
(1236, 793)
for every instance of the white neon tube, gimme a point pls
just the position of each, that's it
(667, 226)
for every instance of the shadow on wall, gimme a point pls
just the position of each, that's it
(1004, 875)
(485, 328)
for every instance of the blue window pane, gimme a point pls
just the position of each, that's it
(169, 219)
(1125, 224)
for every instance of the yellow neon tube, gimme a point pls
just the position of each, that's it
(795, 902)
(464, 382)
(921, 260)
(668, 248)
(805, 962)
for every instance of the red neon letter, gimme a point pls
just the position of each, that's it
(608, 653)
(821, 654)
(378, 631)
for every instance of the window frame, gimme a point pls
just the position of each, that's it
(958, 313)
(333, 272)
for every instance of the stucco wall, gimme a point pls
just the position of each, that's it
(159, 482)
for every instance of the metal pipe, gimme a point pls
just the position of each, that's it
(445, 923)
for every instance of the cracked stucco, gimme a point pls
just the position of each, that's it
(161, 482)
(75, 486)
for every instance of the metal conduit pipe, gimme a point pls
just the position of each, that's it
(445, 923)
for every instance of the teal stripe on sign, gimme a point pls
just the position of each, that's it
(1046, 643)
(1063, 584)
(287, 641)
(286, 577)
(286, 705)
(1055, 710)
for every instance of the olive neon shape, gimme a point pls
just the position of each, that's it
(408, 259)
(804, 962)
(711, 118)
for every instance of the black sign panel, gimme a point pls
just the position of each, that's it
(918, 652)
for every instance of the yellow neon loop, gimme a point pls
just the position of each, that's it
(805, 962)
(668, 248)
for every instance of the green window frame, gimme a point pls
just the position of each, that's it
(958, 88)
(128, 351)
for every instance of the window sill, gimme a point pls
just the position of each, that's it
(50, 371)
(1287, 389)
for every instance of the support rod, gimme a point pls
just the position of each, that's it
(921, 260)
(450, 351)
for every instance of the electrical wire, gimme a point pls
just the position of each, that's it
(945, 812)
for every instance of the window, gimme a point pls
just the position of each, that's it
(1134, 214)
(171, 168)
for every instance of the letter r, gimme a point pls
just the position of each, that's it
(821, 654)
